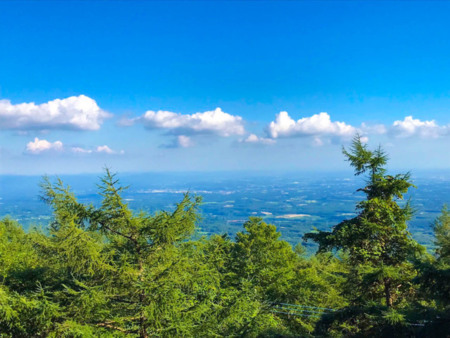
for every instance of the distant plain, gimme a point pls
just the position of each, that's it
(294, 202)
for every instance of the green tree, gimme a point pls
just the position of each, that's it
(379, 250)
(435, 278)
(282, 275)
(434, 281)
(262, 258)
(24, 309)
(107, 271)
(377, 241)
(130, 273)
(442, 234)
(111, 272)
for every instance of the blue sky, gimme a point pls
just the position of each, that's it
(145, 85)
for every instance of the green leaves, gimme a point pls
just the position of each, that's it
(442, 232)
(108, 271)
(259, 256)
(380, 251)
(112, 272)
(364, 160)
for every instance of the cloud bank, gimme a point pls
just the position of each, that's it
(320, 127)
(75, 112)
(83, 113)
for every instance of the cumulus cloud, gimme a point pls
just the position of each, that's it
(104, 149)
(38, 146)
(209, 122)
(316, 125)
(75, 112)
(410, 127)
(254, 139)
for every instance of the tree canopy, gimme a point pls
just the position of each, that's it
(111, 271)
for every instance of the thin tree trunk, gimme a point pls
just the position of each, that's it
(387, 292)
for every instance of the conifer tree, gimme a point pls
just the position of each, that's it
(377, 240)
(434, 281)
(107, 271)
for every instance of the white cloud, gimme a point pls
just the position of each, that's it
(107, 150)
(75, 112)
(79, 150)
(214, 121)
(38, 146)
(104, 149)
(184, 141)
(252, 138)
(364, 139)
(315, 125)
(410, 127)
(99, 149)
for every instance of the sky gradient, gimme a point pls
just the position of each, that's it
(206, 86)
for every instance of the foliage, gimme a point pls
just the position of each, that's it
(109, 271)
(381, 256)
(106, 271)
(377, 242)
(434, 280)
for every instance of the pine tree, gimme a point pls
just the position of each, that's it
(377, 240)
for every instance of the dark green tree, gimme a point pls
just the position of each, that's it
(377, 240)
(379, 250)
(434, 281)
(442, 233)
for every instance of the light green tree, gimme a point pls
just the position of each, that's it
(108, 271)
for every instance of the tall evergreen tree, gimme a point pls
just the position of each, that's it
(377, 240)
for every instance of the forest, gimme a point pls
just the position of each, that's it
(109, 271)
